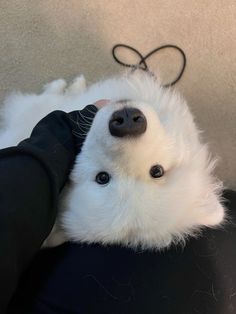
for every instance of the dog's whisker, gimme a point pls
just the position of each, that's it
(85, 125)
(80, 132)
(79, 135)
(90, 111)
(86, 119)
(82, 128)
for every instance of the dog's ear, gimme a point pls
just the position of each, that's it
(211, 212)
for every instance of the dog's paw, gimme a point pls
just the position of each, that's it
(78, 85)
(55, 87)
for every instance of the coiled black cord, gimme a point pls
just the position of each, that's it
(142, 63)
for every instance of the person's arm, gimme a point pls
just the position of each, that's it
(32, 175)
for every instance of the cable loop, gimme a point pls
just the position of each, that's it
(142, 65)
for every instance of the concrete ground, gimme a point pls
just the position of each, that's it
(44, 40)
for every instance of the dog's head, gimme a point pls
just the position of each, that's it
(143, 177)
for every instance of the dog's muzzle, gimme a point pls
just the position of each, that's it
(127, 122)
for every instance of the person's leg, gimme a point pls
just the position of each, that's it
(76, 278)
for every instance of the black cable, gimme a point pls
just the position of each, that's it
(142, 65)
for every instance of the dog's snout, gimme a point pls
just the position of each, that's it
(127, 122)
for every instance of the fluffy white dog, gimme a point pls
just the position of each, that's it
(143, 177)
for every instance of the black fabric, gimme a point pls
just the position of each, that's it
(56, 140)
(31, 177)
(74, 278)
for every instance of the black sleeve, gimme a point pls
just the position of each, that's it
(31, 177)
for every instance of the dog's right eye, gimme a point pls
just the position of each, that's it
(156, 171)
(102, 178)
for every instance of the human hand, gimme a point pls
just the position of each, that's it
(58, 138)
(81, 121)
(101, 103)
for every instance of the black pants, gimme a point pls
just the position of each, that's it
(74, 278)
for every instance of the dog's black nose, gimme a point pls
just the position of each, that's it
(127, 122)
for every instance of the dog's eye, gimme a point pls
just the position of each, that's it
(156, 171)
(102, 178)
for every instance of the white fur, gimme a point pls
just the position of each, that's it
(133, 209)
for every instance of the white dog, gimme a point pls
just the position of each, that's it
(147, 184)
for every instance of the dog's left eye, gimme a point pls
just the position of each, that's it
(102, 178)
(156, 171)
